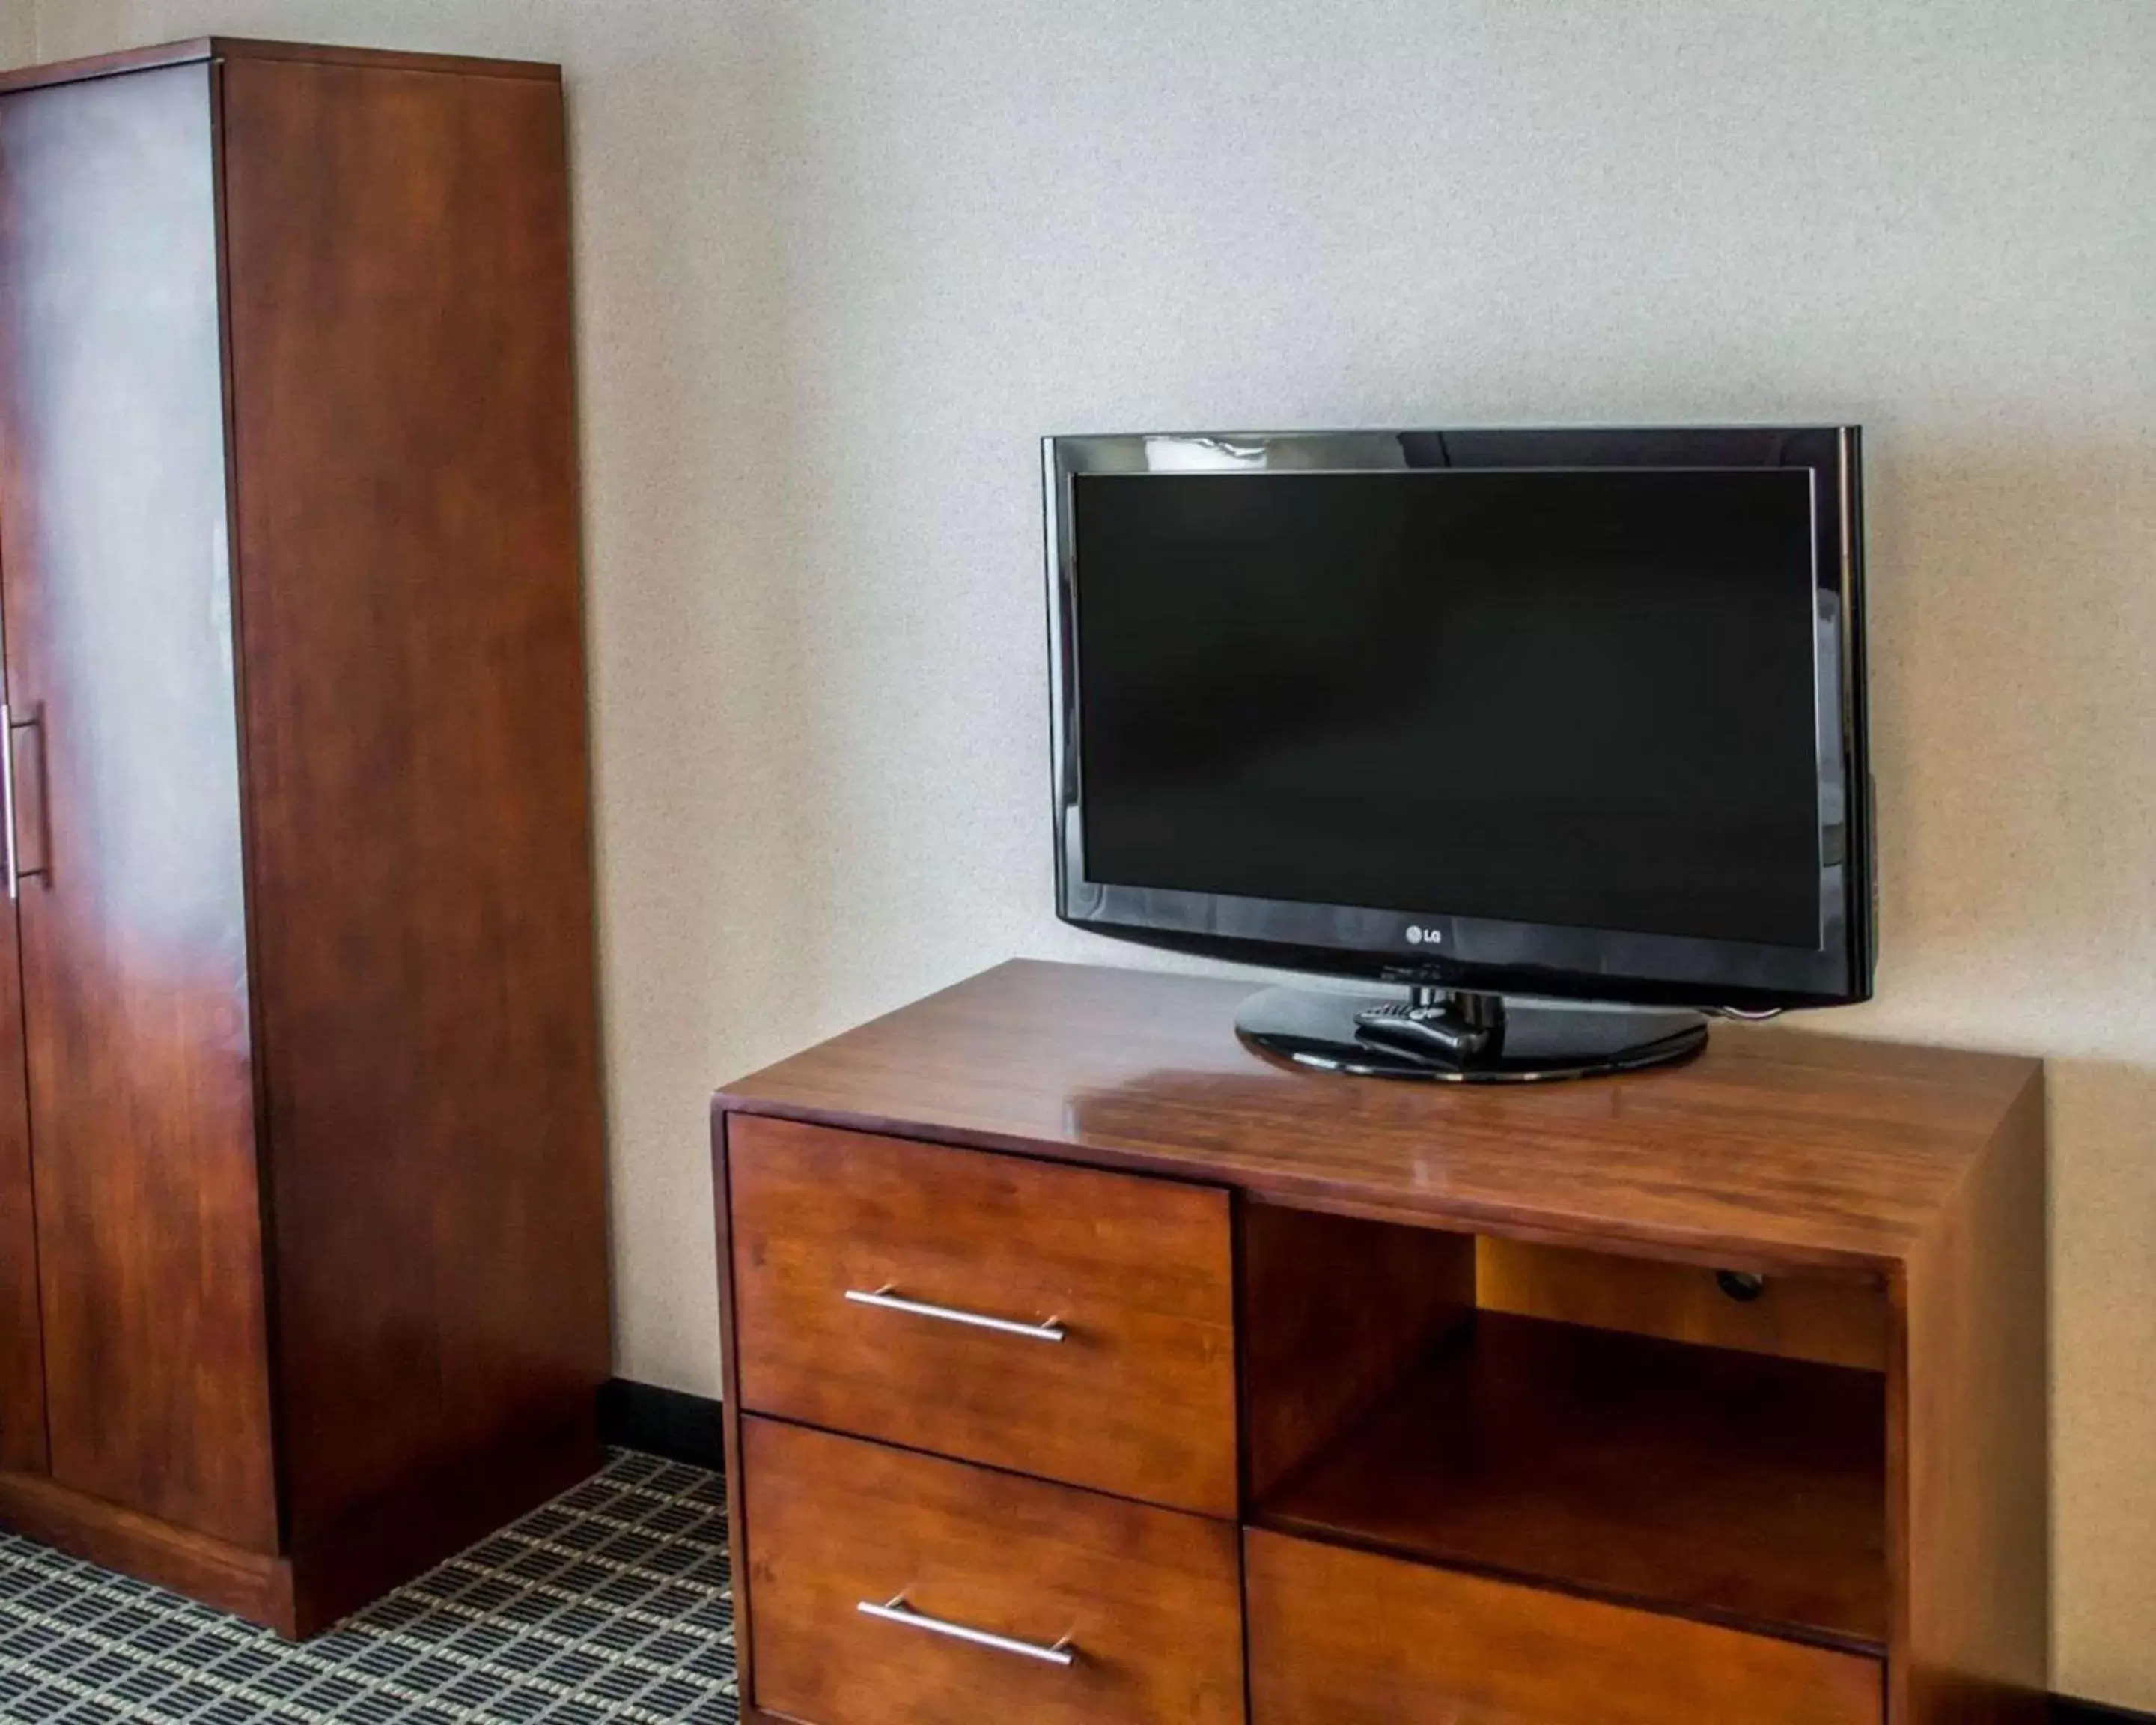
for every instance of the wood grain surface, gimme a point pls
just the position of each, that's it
(431, 1512)
(231, 48)
(1837, 1320)
(1335, 1313)
(414, 722)
(1348, 1638)
(134, 937)
(1728, 1487)
(1148, 1598)
(22, 1324)
(1629, 1498)
(1794, 1149)
(288, 526)
(250, 1585)
(194, 51)
(730, 1417)
(1138, 1399)
(1971, 1478)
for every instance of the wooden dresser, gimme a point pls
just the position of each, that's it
(1082, 1366)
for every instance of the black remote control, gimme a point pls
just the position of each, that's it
(1434, 1032)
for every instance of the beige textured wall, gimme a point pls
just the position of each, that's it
(843, 260)
(18, 35)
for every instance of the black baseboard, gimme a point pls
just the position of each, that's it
(686, 1428)
(662, 1422)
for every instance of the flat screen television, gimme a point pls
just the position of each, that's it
(1573, 714)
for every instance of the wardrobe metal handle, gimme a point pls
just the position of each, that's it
(884, 1300)
(8, 797)
(9, 724)
(896, 1610)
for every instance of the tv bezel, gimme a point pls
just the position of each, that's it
(1426, 945)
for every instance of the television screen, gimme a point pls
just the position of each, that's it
(1576, 697)
(1566, 712)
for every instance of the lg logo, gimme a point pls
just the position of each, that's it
(1417, 936)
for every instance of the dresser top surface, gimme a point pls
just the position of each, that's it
(1773, 1144)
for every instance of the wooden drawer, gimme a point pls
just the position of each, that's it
(1143, 1601)
(1341, 1637)
(1138, 1396)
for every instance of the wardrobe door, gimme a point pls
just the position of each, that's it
(22, 1349)
(119, 672)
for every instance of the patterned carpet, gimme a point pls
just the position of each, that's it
(612, 1603)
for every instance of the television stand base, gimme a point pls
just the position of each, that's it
(1458, 1038)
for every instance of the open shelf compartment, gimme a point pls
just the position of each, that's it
(1743, 1484)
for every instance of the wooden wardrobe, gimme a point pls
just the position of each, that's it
(302, 1248)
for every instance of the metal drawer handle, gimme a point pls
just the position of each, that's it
(896, 1610)
(1051, 1330)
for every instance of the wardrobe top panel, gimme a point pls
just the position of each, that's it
(223, 48)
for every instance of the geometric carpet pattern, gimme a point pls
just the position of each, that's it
(611, 1605)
